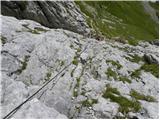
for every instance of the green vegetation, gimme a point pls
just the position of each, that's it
(48, 76)
(75, 61)
(135, 58)
(83, 93)
(40, 29)
(72, 72)
(71, 46)
(152, 68)
(147, 67)
(3, 40)
(75, 93)
(30, 30)
(89, 102)
(125, 104)
(117, 64)
(78, 49)
(111, 73)
(28, 81)
(124, 19)
(78, 82)
(33, 31)
(139, 96)
(110, 90)
(124, 79)
(24, 65)
(62, 63)
(136, 73)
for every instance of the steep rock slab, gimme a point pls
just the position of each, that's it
(105, 74)
(54, 14)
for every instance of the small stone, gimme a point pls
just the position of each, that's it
(120, 115)
(90, 108)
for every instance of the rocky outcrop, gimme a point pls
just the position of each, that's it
(53, 14)
(151, 58)
(151, 11)
(95, 85)
(14, 93)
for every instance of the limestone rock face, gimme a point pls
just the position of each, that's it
(54, 14)
(32, 54)
(35, 109)
(151, 58)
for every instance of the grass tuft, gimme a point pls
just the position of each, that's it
(75, 93)
(152, 68)
(78, 49)
(3, 40)
(24, 65)
(34, 31)
(89, 102)
(124, 79)
(139, 96)
(75, 61)
(135, 58)
(40, 29)
(111, 73)
(78, 82)
(62, 63)
(109, 90)
(115, 63)
(136, 73)
(125, 105)
(48, 76)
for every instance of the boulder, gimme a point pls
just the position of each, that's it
(151, 59)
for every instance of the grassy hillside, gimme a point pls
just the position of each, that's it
(127, 20)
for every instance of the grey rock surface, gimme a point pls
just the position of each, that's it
(36, 109)
(31, 57)
(53, 14)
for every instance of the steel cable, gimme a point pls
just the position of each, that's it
(16, 108)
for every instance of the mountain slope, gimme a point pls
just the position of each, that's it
(103, 79)
(121, 21)
(127, 20)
